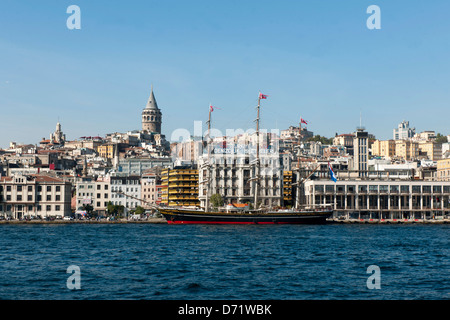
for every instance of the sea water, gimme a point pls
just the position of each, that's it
(192, 262)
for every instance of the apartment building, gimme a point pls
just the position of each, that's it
(430, 149)
(443, 170)
(180, 187)
(384, 148)
(406, 149)
(126, 191)
(34, 195)
(94, 193)
(149, 190)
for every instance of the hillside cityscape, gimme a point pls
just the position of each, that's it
(123, 175)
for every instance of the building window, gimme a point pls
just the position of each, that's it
(49, 198)
(19, 188)
(58, 188)
(318, 188)
(57, 208)
(48, 208)
(49, 188)
(30, 198)
(57, 197)
(394, 189)
(362, 188)
(30, 188)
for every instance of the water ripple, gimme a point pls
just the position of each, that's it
(224, 262)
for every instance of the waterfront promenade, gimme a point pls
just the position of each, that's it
(163, 221)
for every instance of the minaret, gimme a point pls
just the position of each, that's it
(151, 116)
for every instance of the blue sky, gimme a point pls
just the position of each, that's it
(315, 59)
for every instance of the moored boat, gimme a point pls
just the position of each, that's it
(190, 216)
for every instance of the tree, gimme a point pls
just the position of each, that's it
(88, 208)
(139, 210)
(115, 210)
(440, 138)
(111, 208)
(216, 200)
(319, 138)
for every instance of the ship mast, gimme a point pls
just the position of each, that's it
(209, 159)
(257, 154)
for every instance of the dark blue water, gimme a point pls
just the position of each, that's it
(158, 261)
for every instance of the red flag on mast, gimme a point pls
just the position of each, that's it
(211, 108)
(262, 96)
(303, 121)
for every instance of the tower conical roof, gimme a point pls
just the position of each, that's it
(151, 103)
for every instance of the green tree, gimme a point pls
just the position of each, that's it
(440, 138)
(319, 138)
(139, 210)
(216, 200)
(88, 208)
(111, 208)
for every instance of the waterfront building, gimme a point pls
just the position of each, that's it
(234, 176)
(151, 116)
(94, 193)
(403, 131)
(288, 180)
(126, 191)
(383, 199)
(24, 196)
(149, 183)
(180, 187)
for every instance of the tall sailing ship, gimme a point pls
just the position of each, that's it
(232, 215)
